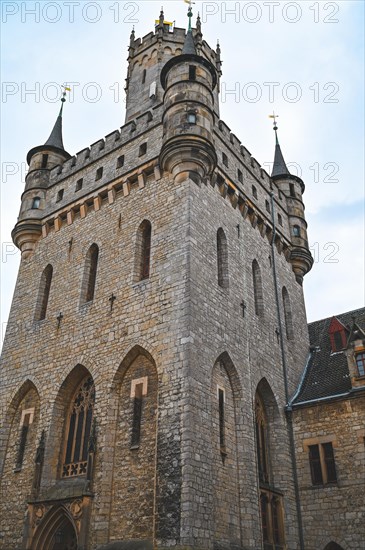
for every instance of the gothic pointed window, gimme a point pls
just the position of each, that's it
(261, 441)
(143, 251)
(79, 429)
(288, 315)
(43, 293)
(89, 279)
(222, 258)
(257, 288)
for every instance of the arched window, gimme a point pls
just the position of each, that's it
(261, 440)
(288, 315)
(43, 293)
(222, 258)
(78, 430)
(257, 288)
(89, 279)
(36, 203)
(143, 252)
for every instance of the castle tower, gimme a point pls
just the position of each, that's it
(156, 328)
(189, 81)
(293, 188)
(41, 160)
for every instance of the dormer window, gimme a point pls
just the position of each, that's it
(337, 333)
(360, 363)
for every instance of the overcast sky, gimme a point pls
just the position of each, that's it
(303, 59)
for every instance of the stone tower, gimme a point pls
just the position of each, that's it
(157, 328)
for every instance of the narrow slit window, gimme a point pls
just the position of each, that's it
(90, 270)
(137, 416)
(288, 315)
(22, 441)
(99, 173)
(120, 161)
(240, 176)
(222, 439)
(291, 189)
(192, 72)
(267, 206)
(43, 293)
(225, 160)
(257, 288)
(143, 251)
(44, 161)
(280, 220)
(254, 192)
(144, 76)
(222, 258)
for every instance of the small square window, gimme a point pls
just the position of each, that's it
(142, 149)
(254, 191)
(99, 173)
(79, 185)
(225, 160)
(120, 161)
(60, 195)
(36, 203)
(191, 118)
(240, 176)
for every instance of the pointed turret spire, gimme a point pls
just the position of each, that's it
(55, 140)
(279, 168)
(189, 46)
(162, 17)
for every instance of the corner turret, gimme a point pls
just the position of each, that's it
(293, 188)
(189, 81)
(41, 160)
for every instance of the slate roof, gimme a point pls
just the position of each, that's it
(327, 373)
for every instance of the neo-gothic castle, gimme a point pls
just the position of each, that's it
(159, 387)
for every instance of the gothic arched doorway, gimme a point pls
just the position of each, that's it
(64, 537)
(333, 546)
(56, 532)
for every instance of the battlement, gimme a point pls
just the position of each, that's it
(102, 147)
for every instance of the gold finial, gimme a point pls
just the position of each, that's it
(274, 116)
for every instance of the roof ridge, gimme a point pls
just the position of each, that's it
(337, 315)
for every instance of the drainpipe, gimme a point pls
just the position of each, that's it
(285, 377)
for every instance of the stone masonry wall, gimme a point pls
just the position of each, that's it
(333, 512)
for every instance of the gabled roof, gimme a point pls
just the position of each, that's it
(327, 374)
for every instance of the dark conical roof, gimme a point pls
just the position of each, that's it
(55, 139)
(279, 168)
(189, 46)
(54, 142)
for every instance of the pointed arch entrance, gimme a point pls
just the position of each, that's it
(56, 532)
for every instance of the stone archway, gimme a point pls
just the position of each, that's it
(56, 532)
(333, 546)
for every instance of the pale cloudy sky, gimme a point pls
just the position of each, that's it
(303, 59)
